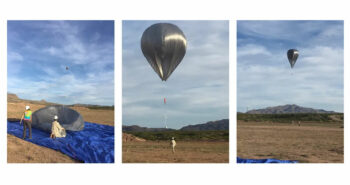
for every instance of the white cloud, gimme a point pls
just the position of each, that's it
(14, 56)
(253, 49)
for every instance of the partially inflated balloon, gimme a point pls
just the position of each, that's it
(292, 55)
(164, 46)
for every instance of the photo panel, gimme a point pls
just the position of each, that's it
(175, 91)
(290, 91)
(60, 92)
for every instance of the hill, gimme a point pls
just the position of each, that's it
(209, 126)
(130, 137)
(13, 98)
(287, 109)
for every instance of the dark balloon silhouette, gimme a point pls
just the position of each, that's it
(292, 55)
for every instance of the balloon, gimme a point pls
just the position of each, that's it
(164, 46)
(67, 68)
(292, 55)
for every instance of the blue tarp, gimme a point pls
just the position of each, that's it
(94, 144)
(240, 160)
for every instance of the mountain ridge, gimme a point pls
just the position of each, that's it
(208, 126)
(287, 109)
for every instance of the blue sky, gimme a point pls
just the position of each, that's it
(39, 51)
(264, 76)
(196, 92)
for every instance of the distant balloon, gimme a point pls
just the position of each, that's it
(67, 68)
(292, 55)
(164, 46)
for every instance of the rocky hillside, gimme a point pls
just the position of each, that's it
(286, 109)
(211, 125)
(129, 138)
(13, 98)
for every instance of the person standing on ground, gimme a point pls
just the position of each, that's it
(27, 122)
(173, 144)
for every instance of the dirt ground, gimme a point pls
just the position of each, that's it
(185, 152)
(308, 143)
(21, 151)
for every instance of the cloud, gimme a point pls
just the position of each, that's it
(252, 49)
(13, 56)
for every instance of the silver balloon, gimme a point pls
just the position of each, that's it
(164, 46)
(292, 55)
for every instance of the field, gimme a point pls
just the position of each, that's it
(311, 142)
(21, 151)
(185, 152)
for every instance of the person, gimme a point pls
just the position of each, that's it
(173, 144)
(27, 122)
(56, 129)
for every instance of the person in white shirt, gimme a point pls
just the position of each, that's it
(173, 144)
(57, 130)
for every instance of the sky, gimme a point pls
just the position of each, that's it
(196, 92)
(264, 75)
(39, 52)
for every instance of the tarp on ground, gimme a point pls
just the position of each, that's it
(94, 144)
(240, 160)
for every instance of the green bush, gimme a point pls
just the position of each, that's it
(184, 135)
(287, 118)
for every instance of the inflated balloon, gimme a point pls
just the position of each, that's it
(292, 55)
(68, 118)
(164, 46)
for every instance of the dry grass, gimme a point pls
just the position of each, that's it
(311, 142)
(186, 152)
(21, 151)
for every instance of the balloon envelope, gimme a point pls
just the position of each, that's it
(164, 46)
(68, 118)
(292, 55)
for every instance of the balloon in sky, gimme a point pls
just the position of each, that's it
(292, 55)
(67, 67)
(164, 46)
